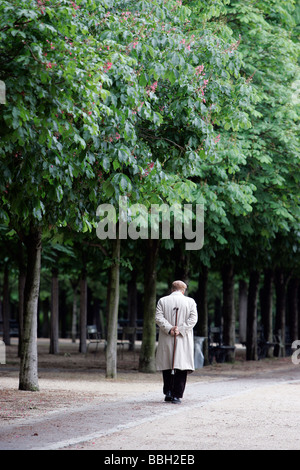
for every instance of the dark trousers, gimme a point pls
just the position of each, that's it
(174, 383)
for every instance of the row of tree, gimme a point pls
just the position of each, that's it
(251, 307)
(161, 102)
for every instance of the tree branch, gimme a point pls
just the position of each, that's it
(97, 245)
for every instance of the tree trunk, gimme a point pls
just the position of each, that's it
(45, 308)
(202, 308)
(102, 320)
(293, 308)
(113, 308)
(298, 303)
(281, 280)
(147, 354)
(266, 304)
(228, 309)
(132, 306)
(83, 312)
(243, 299)
(182, 263)
(6, 307)
(251, 347)
(74, 313)
(218, 311)
(28, 379)
(21, 287)
(54, 320)
(64, 312)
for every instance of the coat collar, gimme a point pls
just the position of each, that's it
(177, 292)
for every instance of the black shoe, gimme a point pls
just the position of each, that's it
(176, 400)
(168, 396)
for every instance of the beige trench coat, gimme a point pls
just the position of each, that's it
(165, 319)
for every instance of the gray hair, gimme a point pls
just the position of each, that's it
(178, 285)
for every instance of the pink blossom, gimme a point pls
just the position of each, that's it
(152, 87)
(199, 69)
(76, 7)
(108, 66)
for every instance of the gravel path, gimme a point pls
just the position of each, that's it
(257, 412)
(241, 406)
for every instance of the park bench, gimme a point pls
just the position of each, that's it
(94, 337)
(13, 328)
(288, 342)
(127, 338)
(280, 348)
(283, 348)
(216, 349)
(263, 346)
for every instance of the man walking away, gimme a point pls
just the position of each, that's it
(176, 316)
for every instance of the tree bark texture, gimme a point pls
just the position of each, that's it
(293, 301)
(182, 263)
(74, 313)
(243, 299)
(21, 288)
(281, 280)
(251, 346)
(113, 308)
(132, 305)
(228, 309)
(202, 308)
(147, 354)
(266, 305)
(28, 378)
(54, 322)
(83, 312)
(5, 307)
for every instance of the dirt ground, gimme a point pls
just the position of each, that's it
(244, 405)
